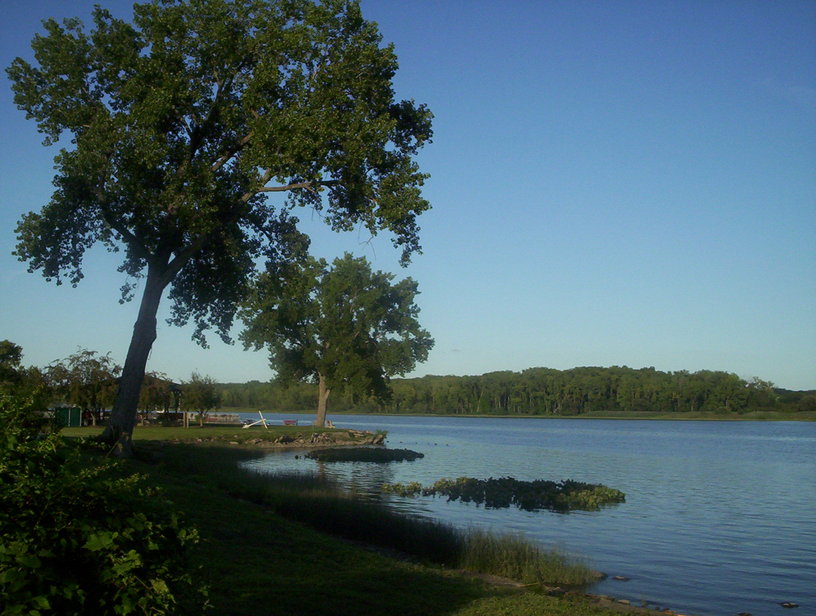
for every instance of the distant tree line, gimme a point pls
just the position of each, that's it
(544, 391)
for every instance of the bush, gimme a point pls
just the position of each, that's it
(78, 537)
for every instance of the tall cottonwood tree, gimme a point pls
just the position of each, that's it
(184, 121)
(342, 327)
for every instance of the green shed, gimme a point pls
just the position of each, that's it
(68, 417)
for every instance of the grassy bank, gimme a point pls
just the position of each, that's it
(261, 553)
(234, 435)
(257, 562)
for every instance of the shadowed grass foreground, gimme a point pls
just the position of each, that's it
(259, 563)
(323, 505)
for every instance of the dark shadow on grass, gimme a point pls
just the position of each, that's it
(258, 563)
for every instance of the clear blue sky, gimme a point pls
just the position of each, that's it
(613, 183)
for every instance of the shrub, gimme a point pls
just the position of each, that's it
(78, 537)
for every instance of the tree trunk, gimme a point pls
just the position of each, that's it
(322, 396)
(119, 431)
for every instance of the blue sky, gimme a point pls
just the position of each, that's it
(613, 183)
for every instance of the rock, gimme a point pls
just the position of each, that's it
(624, 602)
(233, 442)
(789, 604)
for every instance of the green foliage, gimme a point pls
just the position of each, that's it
(515, 557)
(561, 496)
(10, 357)
(605, 392)
(183, 121)
(158, 393)
(322, 504)
(347, 325)
(200, 394)
(76, 537)
(86, 379)
(264, 565)
(364, 454)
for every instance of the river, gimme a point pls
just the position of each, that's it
(720, 517)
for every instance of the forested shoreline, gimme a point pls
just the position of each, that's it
(543, 391)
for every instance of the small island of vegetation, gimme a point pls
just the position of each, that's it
(560, 496)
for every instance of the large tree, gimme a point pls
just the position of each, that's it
(184, 121)
(342, 326)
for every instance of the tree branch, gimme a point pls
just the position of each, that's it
(308, 185)
(223, 160)
(127, 235)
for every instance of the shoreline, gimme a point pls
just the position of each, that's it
(221, 436)
(804, 416)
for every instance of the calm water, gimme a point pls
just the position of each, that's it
(720, 517)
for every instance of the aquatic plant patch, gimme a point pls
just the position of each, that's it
(560, 496)
(364, 454)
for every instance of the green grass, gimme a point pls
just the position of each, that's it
(323, 505)
(258, 560)
(514, 557)
(281, 544)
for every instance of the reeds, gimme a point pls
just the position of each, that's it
(325, 506)
(516, 557)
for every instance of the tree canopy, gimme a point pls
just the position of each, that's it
(85, 379)
(345, 326)
(184, 121)
(201, 395)
(10, 357)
